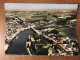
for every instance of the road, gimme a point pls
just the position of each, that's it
(17, 45)
(45, 36)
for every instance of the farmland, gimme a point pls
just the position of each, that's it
(51, 32)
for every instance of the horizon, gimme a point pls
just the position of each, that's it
(39, 6)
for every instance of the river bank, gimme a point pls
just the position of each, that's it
(18, 46)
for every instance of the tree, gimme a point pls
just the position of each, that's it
(61, 22)
(54, 31)
(55, 16)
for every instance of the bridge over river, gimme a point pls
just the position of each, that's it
(18, 45)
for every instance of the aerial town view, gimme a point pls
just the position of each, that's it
(41, 29)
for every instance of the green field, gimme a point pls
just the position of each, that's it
(69, 31)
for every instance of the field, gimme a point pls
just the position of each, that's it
(47, 32)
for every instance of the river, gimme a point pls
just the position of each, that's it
(18, 45)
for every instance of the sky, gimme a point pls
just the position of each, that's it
(38, 6)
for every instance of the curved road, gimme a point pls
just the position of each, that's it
(17, 45)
